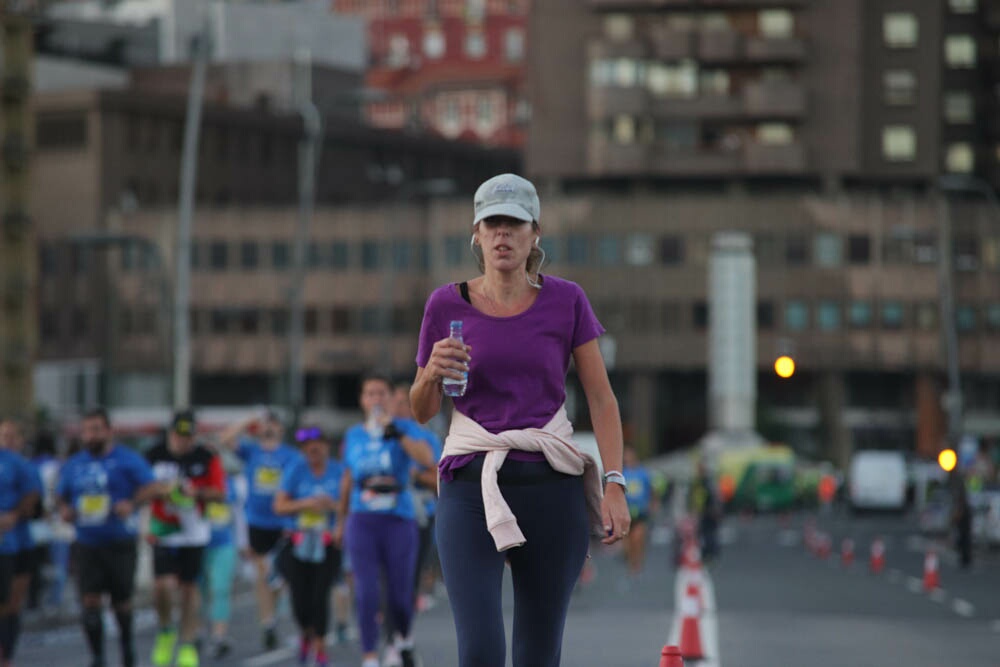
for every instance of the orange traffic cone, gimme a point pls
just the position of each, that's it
(847, 552)
(877, 561)
(690, 640)
(931, 580)
(671, 657)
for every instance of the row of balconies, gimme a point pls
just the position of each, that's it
(707, 46)
(770, 99)
(606, 158)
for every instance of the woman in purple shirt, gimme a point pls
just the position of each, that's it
(521, 330)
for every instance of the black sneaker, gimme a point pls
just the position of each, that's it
(221, 649)
(409, 657)
(270, 639)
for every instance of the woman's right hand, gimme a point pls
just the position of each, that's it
(449, 359)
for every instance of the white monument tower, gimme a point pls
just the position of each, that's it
(732, 343)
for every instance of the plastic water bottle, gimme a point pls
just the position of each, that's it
(454, 387)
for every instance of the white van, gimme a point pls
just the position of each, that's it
(877, 480)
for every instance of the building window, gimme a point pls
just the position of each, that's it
(899, 87)
(965, 319)
(627, 73)
(828, 316)
(475, 44)
(671, 250)
(577, 249)
(714, 82)
(892, 315)
(958, 107)
(962, 6)
(796, 316)
(434, 43)
(279, 321)
(768, 250)
(310, 322)
(927, 316)
(63, 131)
(828, 249)
(455, 248)
(218, 255)
(618, 27)
(370, 255)
(859, 249)
(796, 251)
(340, 320)
(959, 158)
(859, 314)
(993, 317)
(402, 253)
(966, 252)
(484, 113)
(315, 257)
(677, 80)
(960, 51)
(775, 134)
(900, 30)
(639, 249)
(248, 321)
(775, 23)
(991, 253)
(623, 130)
(765, 315)
(281, 255)
(513, 45)
(699, 315)
(552, 248)
(249, 255)
(339, 255)
(370, 319)
(609, 251)
(399, 51)
(219, 321)
(899, 143)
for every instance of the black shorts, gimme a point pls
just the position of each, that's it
(107, 569)
(263, 540)
(181, 562)
(7, 565)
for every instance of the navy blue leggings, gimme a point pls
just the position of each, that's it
(552, 513)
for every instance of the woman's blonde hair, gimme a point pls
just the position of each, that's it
(535, 258)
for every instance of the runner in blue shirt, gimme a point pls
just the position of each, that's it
(99, 490)
(381, 530)
(310, 495)
(639, 493)
(20, 490)
(264, 459)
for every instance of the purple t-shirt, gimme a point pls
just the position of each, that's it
(517, 377)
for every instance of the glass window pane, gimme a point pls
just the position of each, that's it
(858, 249)
(671, 250)
(776, 23)
(455, 248)
(958, 107)
(796, 316)
(339, 255)
(281, 255)
(960, 158)
(796, 251)
(828, 249)
(993, 317)
(639, 249)
(553, 249)
(618, 27)
(860, 314)
(577, 249)
(965, 319)
(828, 316)
(899, 143)
(369, 255)
(900, 30)
(609, 250)
(927, 316)
(899, 87)
(892, 315)
(962, 6)
(960, 51)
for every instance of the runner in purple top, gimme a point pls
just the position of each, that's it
(521, 330)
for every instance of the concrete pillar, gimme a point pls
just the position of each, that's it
(931, 422)
(836, 438)
(640, 416)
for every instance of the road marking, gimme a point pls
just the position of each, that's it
(914, 585)
(939, 595)
(963, 608)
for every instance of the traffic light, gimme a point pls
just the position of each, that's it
(784, 366)
(947, 459)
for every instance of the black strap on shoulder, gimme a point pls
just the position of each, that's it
(463, 287)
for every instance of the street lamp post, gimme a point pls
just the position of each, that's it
(953, 398)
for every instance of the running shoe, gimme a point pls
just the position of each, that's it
(391, 657)
(221, 649)
(303, 652)
(321, 659)
(163, 648)
(409, 657)
(187, 656)
(270, 639)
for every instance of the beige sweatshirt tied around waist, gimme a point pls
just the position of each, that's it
(553, 440)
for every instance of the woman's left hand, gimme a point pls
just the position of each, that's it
(615, 514)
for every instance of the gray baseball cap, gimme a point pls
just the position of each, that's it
(509, 195)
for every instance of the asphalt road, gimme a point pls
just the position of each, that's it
(775, 604)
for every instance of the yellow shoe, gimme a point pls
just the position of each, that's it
(163, 648)
(187, 656)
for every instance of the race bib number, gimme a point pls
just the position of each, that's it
(219, 514)
(379, 502)
(93, 508)
(311, 520)
(267, 479)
